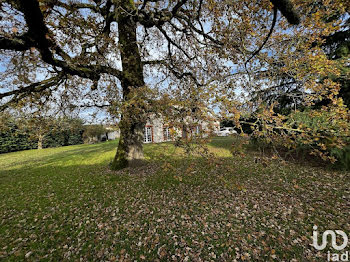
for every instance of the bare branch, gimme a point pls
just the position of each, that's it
(198, 31)
(20, 43)
(72, 6)
(178, 6)
(173, 42)
(154, 62)
(267, 37)
(23, 92)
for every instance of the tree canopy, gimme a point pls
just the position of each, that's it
(137, 57)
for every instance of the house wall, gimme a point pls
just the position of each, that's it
(210, 127)
(157, 124)
(113, 135)
(157, 129)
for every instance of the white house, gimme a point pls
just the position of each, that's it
(158, 130)
(111, 134)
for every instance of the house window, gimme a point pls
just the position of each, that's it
(198, 130)
(195, 130)
(148, 134)
(166, 134)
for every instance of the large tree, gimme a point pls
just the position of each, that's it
(60, 46)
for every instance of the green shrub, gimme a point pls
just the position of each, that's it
(93, 133)
(16, 136)
(343, 157)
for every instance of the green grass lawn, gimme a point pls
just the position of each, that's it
(65, 204)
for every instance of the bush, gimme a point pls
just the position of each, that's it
(16, 136)
(13, 139)
(93, 133)
(319, 133)
(343, 157)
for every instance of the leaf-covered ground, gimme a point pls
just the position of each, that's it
(65, 204)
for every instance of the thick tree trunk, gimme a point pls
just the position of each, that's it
(40, 142)
(130, 148)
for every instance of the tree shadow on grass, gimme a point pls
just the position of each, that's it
(49, 156)
(222, 142)
(66, 161)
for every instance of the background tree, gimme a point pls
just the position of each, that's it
(39, 127)
(93, 133)
(21, 132)
(337, 47)
(13, 137)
